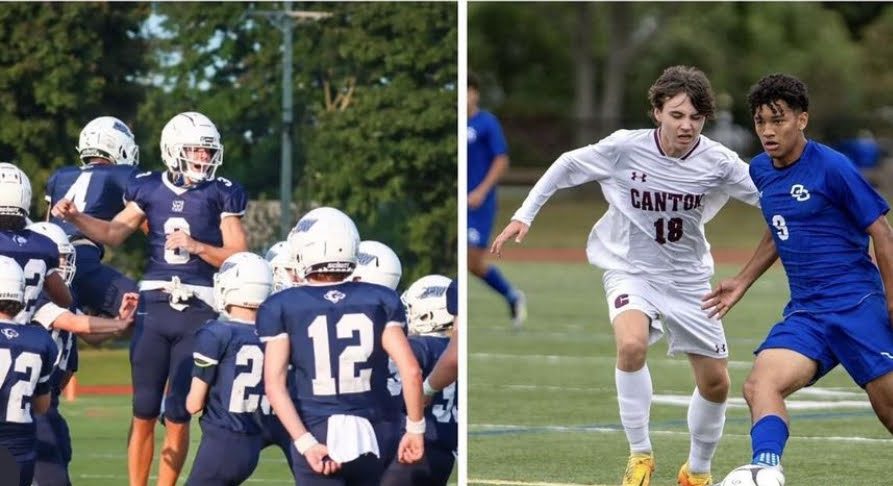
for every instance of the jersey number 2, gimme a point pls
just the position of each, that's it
(18, 407)
(239, 402)
(348, 382)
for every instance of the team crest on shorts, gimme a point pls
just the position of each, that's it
(621, 301)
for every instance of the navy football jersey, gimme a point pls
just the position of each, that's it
(196, 210)
(335, 333)
(228, 356)
(37, 255)
(45, 315)
(97, 190)
(441, 417)
(27, 357)
(818, 210)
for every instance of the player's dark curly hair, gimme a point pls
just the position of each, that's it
(474, 81)
(11, 307)
(684, 79)
(10, 222)
(778, 87)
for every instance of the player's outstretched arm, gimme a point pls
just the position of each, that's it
(412, 445)
(729, 291)
(276, 355)
(112, 232)
(234, 241)
(882, 238)
(198, 394)
(84, 324)
(515, 229)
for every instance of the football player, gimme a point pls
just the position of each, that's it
(430, 326)
(194, 223)
(377, 263)
(227, 381)
(109, 157)
(27, 357)
(285, 268)
(337, 335)
(36, 254)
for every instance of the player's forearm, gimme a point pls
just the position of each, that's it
(84, 324)
(216, 255)
(497, 170)
(58, 291)
(110, 233)
(285, 410)
(763, 258)
(411, 378)
(882, 239)
(563, 173)
(198, 394)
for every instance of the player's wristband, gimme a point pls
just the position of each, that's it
(305, 442)
(429, 390)
(415, 427)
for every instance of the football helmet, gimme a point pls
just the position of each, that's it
(325, 240)
(286, 272)
(67, 252)
(244, 279)
(15, 191)
(377, 263)
(109, 138)
(12, 280)
(187, 131)
(426, 306)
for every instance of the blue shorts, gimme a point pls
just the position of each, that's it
(98, 287)
(53, 449)
(480, 224)
(859, 338)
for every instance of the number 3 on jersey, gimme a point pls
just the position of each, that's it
(324, 384)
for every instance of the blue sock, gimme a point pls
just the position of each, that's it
(495, 280)
(767, 438)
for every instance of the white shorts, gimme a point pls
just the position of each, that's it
(672, 305)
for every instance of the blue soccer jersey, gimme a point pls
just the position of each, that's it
(485, 143)
(27, 357)
(229, 357)
(37, 255)
(97, 190)
(196, 210)
(335, 334)
(818, 210)
(441, 416)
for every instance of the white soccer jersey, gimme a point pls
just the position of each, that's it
(658, 204)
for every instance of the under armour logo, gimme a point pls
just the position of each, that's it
(799, 192)
(636, 174)
(720, 348)
(10, 333)
(334, 296)
(177, 206)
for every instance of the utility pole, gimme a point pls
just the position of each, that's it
(284, 20)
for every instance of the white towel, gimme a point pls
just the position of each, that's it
(349, 437)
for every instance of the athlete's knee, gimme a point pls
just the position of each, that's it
(631, 354)
(175, 409)
(146, 403)
(715, 386)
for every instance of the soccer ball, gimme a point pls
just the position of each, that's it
(753, 475)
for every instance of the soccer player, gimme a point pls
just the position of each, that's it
(109, 156)
(26, 393)
(430, 326)
(337, 336)
(194, 223)
(487, 161)
(377, 263)
(227, 381)
(662, 185)
(820, 214)
(36, 254)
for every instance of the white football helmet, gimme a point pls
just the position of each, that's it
(191, 130)
(244, 279)
(325, 240)
(426, 306)
(377, 263)
(67, 252)
(15, 191)
(12, 280)
(286, 271)
(109, 138)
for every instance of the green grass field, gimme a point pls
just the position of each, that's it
(543, 406)
(542, 402)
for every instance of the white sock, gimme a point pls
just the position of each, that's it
(706, 420)
(634, 397)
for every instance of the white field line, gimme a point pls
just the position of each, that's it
(835, 396)
(608, 430)
(683, 401)
(556, 359)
